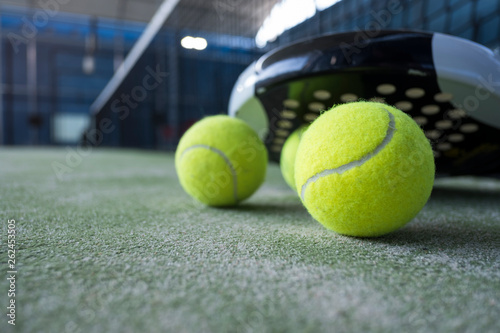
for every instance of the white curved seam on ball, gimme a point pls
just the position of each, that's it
(343, 168)
(226, 159)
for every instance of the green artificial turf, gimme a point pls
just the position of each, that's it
(117, 246)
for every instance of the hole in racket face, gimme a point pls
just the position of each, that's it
(386, 89)
(322, 95)
(415, 93)
(404, 105)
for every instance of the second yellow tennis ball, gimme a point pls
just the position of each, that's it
(220, 161)
(364, 169)
(288, 153)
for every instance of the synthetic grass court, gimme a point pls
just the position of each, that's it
(119, 247)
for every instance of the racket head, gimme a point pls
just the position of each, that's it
(448, 85)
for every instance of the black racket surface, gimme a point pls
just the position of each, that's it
(296, 83)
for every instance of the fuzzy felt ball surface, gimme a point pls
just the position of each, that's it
(364, 169)
(221, 161)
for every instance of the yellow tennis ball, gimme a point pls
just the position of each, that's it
(220, 161)
(288, 153)
(364, 169)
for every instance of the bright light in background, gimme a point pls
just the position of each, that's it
(88, 64)
(286, 15)
(324, 4)
(196, 43)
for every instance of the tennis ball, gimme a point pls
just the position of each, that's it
(288, 152)
(220, 161)
(364, 169)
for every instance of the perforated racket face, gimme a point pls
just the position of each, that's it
(461, 144)
(299, 82)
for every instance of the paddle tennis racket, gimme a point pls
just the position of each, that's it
(450, 86)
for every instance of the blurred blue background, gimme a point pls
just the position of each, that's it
(50, 80)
